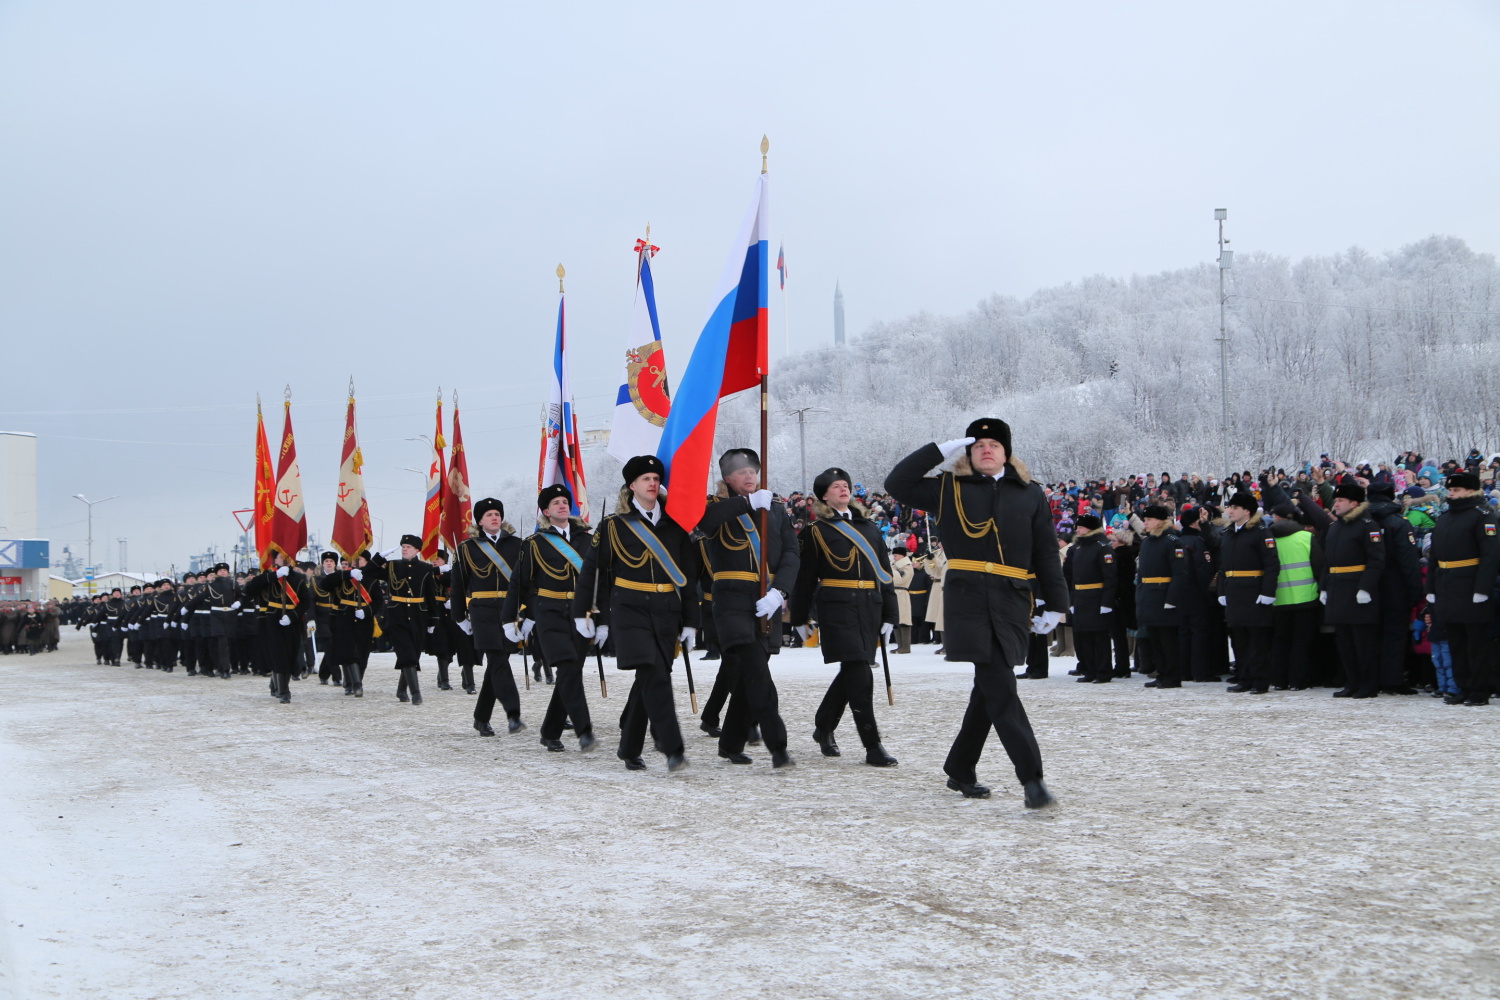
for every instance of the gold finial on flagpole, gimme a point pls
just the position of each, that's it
(288, 394)
(455, 399)
(648, 232)
(257, 402)
(765, 147)
(560, 273)
(351, 386)
(440, 396)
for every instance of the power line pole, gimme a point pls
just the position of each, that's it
(90, 503)
(1226, 260)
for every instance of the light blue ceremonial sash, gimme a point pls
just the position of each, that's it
(752, 534)
(861, 543)
(653, 545)
(568, 553)
(495, 557)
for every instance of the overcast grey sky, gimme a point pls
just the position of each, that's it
(199, 201)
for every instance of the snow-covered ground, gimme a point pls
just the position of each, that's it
(167, 836)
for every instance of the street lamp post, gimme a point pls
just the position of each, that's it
(802, 413)
(90, 504)
(1226, 261)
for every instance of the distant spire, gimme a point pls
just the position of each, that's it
(838, 315)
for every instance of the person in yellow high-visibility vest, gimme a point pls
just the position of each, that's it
(1296, 614)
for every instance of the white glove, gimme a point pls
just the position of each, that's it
(687, 638)
(444, 568)
(1048, 621)
(182, 611)
(1222, 600)
(1431, 598)
(391, 553)
(1105, 611)
(886, 630)
(1263, 599)
(359, 613)
(951, 448)
(601, 633)
(283, 570)
(760, 500)
(235, 606)
(1481, 598)
(1072, 610)
(527, 626)
(285, 620)
(448, 603)
(768, 605)
(357, 575)
(466, 627)
(431, 629)
(585, 627)
(804, 632)
(512, 632)
(1323, 596)
(1362, 597)
(1039, 602)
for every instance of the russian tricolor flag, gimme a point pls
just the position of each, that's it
(562, 457)
(730, 356)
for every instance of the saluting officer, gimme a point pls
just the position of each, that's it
(1163, 581)
(996, 528)
(1089, 568)
(845, 583)
(482, 570)
(1249, 570)
(1462, 566)
(638, 585)
(1354, 553)
(412, 613)
(286, 600)
(545, 583)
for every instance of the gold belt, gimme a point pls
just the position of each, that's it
(280, 607)
(1253, 572)
(1353, 569)
(558, 595)
(322, 605)
(352, 604)
(478, 594)
(1088, 586)
(849, 584)
(737, 574)
(650, 588)
(1457, 563)
(994, 568)
(916, 591)
(409, 600)
(1156, 579)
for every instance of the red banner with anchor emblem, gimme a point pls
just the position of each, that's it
(288, 521)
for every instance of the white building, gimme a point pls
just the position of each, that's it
(23, 556)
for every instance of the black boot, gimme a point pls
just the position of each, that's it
(412, 685)
(442, 680)
(548, 670)
(876, 756)
(826, 741)
(1037, 795)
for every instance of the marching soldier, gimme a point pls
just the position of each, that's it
(845, 582)
(1089, 569)
(1354, 550)
(482, 569)
(1163, 578)
(354, 625)
(216, 599)
(1462, 566)
(639, 580)
(412, 613)
(1248, 573)
(439, 644)
(996, 529)
(545, 583)
(326, 606)
(285, 599)
(732, 541)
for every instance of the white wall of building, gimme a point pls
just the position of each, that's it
(17, 484)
